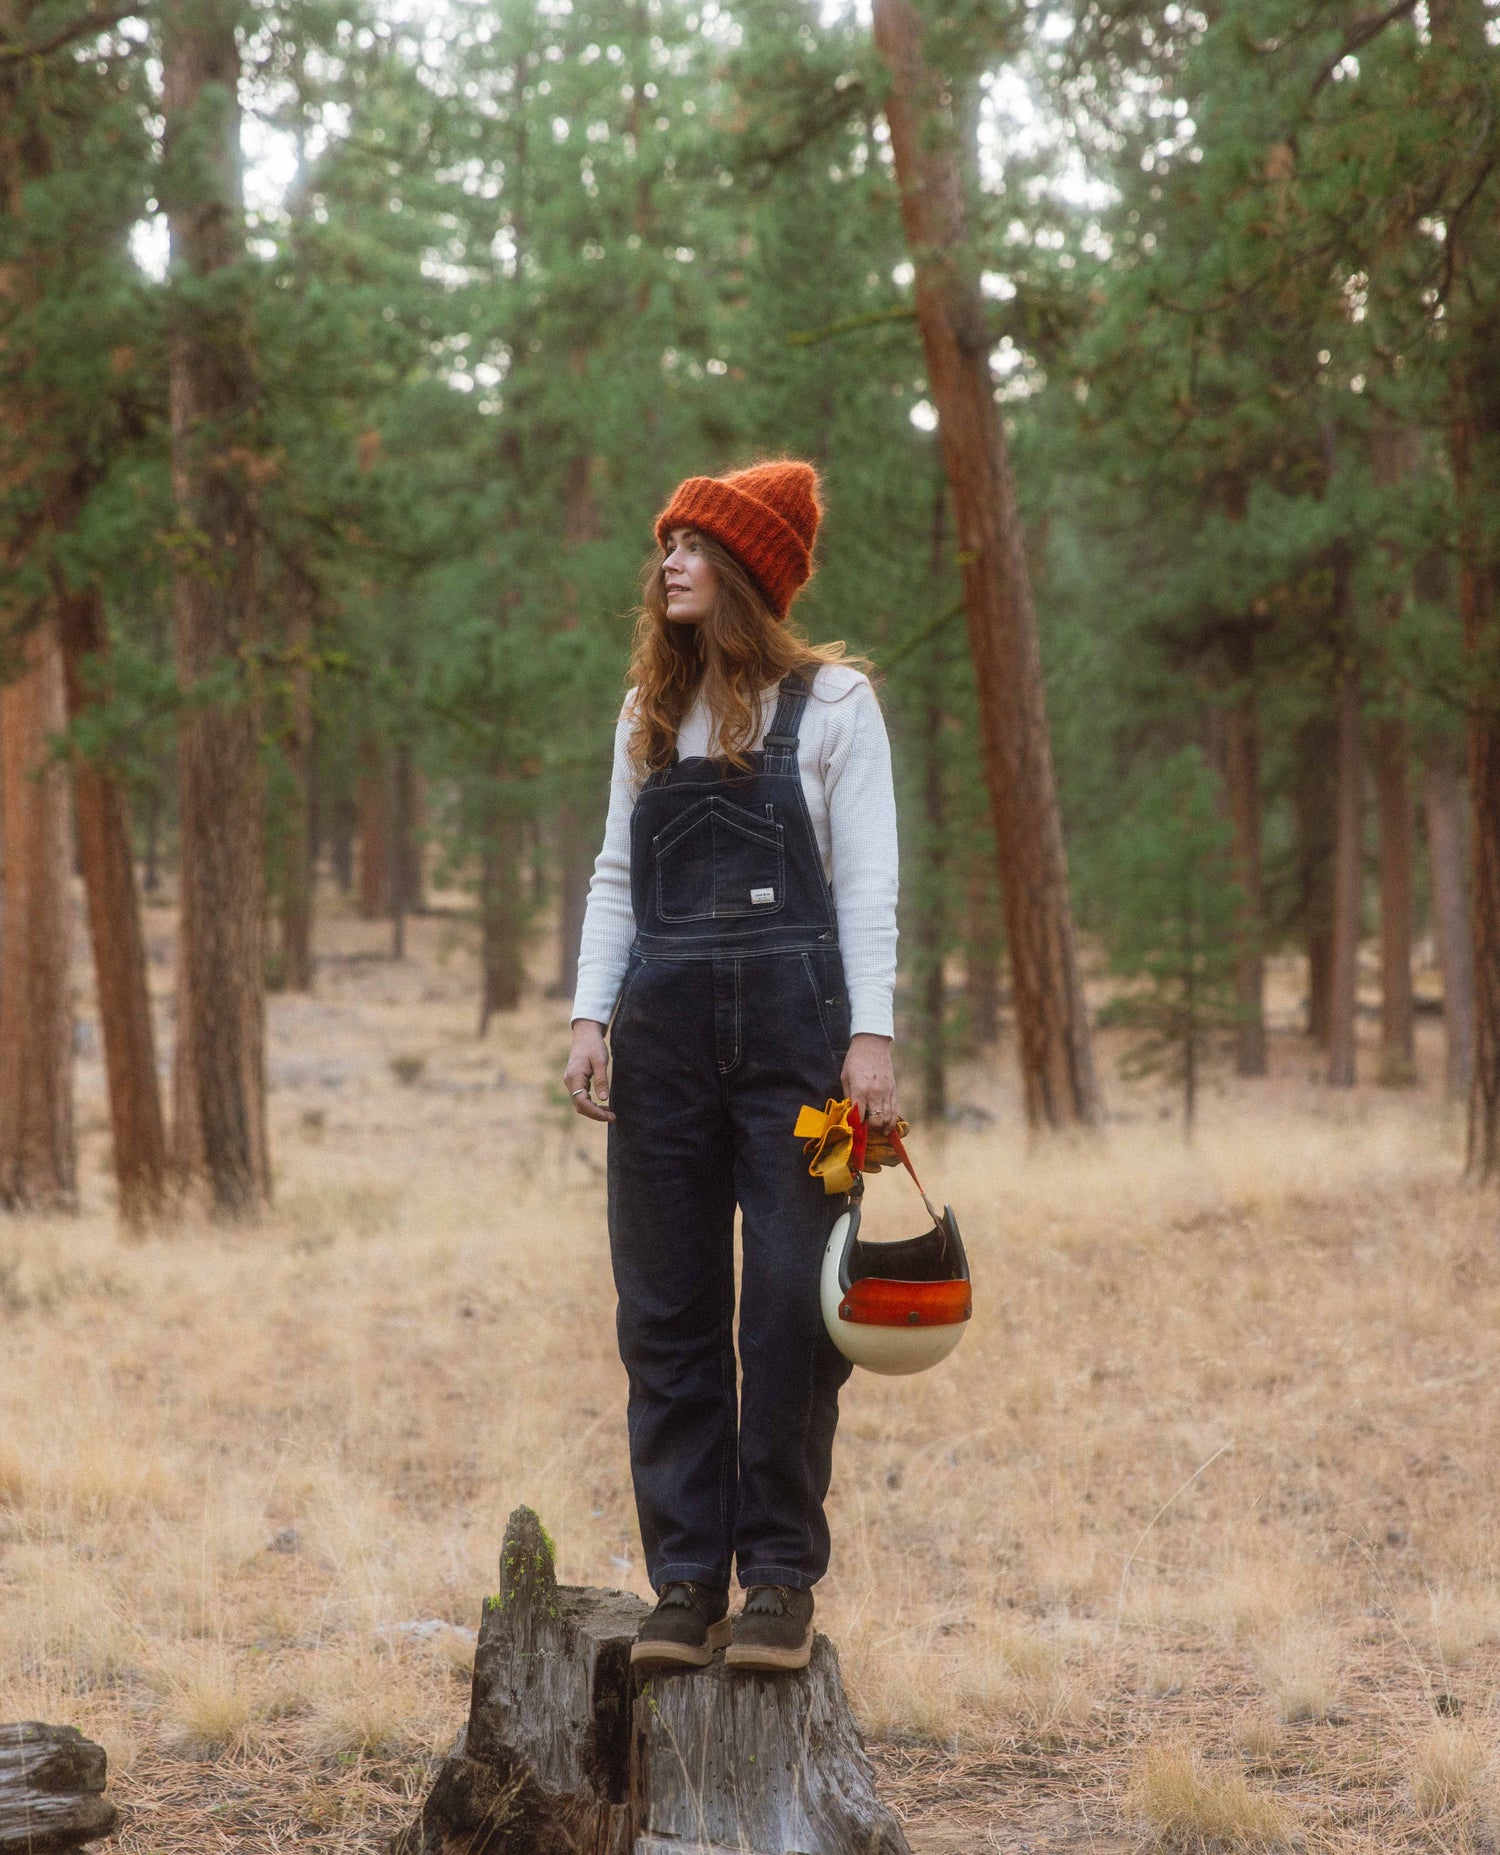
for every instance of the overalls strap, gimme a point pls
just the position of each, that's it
(780, 743)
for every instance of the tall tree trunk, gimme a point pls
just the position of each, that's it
(137, 1128)
(575, 867)
(221, 1009)
(582, 527)
(1479, 601)
(1463, 29)
(151, 862)
(1395, 454)
(1241, 748)
(343, 826)
(931, 899)
(373, 804)
(1191, 1032)
(501, 910)
(1443, 805)
(297, 852)
(406, 832)
(1056, 1053)
(38, 1148)
(1314, 757)
(982, 953)
(1348, 872)
(399, 840)
(1398, 1050)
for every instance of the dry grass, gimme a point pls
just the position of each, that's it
(1447, 1769)
(1464, 1622)
(1214, 1468)
(1185, 1805)
(1300, 1669)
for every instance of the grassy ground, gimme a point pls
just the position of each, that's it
(1194, 1542)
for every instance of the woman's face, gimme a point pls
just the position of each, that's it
(689, 577)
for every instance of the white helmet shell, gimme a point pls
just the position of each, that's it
(889, 1323)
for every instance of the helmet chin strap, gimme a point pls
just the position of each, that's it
(892, 1138)
(842, 1147)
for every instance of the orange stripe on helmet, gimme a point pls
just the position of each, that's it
(876, 1302)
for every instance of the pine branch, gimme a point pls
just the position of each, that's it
(1366, 29)
(846, 325)
(918, 638)
(100, 20)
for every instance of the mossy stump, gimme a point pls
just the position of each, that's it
(567, 1753)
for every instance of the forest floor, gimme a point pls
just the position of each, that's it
(1196, 1537)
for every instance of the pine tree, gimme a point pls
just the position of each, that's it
(1173, 940)
(220, 1059)
(72, 179)
(1052, 1026)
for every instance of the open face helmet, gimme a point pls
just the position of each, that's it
(895, 1307)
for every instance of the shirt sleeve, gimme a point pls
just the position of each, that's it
(861, 799)
(608, 918)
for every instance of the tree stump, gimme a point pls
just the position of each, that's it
(566, 1752)
(51, 1790)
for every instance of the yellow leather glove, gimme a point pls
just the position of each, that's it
(828, 1137)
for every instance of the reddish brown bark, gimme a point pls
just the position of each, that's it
(1475, 451)
(297, 847)
(502, 912)
(1242, 791)
(38, 1148)
(137, 1127)
(1395, 453)
(38, 1152)
(1398, 1048)
(1348, 875)
(1314, 831)
(372, 803)
(931, 910)
(404, 850)
(221, 1003)
(575, 867)
(343, 826)
(1462, 29)
(576, 835)
(982, 953)
(1443, 805)
(1053, 1038)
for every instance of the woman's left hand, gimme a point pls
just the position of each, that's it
(869, 1080)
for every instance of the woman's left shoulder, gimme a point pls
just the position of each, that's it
(840, 682)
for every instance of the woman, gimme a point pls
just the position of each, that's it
(741, 936)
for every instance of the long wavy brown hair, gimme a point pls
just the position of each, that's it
(732, 656)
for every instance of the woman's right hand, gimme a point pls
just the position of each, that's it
(588, 1070)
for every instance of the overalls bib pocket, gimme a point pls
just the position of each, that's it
(718, 860)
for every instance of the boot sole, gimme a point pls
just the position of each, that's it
(681, 1654)
(750, 1657)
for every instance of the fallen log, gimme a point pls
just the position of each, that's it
(566, 1753)
(51, 1790)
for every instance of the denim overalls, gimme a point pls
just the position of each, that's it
(732, 1015)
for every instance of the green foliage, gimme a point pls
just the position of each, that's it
(529, 273)
(1172, 927)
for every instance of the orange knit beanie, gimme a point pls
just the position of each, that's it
(766, 516)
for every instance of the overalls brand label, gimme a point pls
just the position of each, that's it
(762, 895)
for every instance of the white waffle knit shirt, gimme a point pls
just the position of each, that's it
(844, 758)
